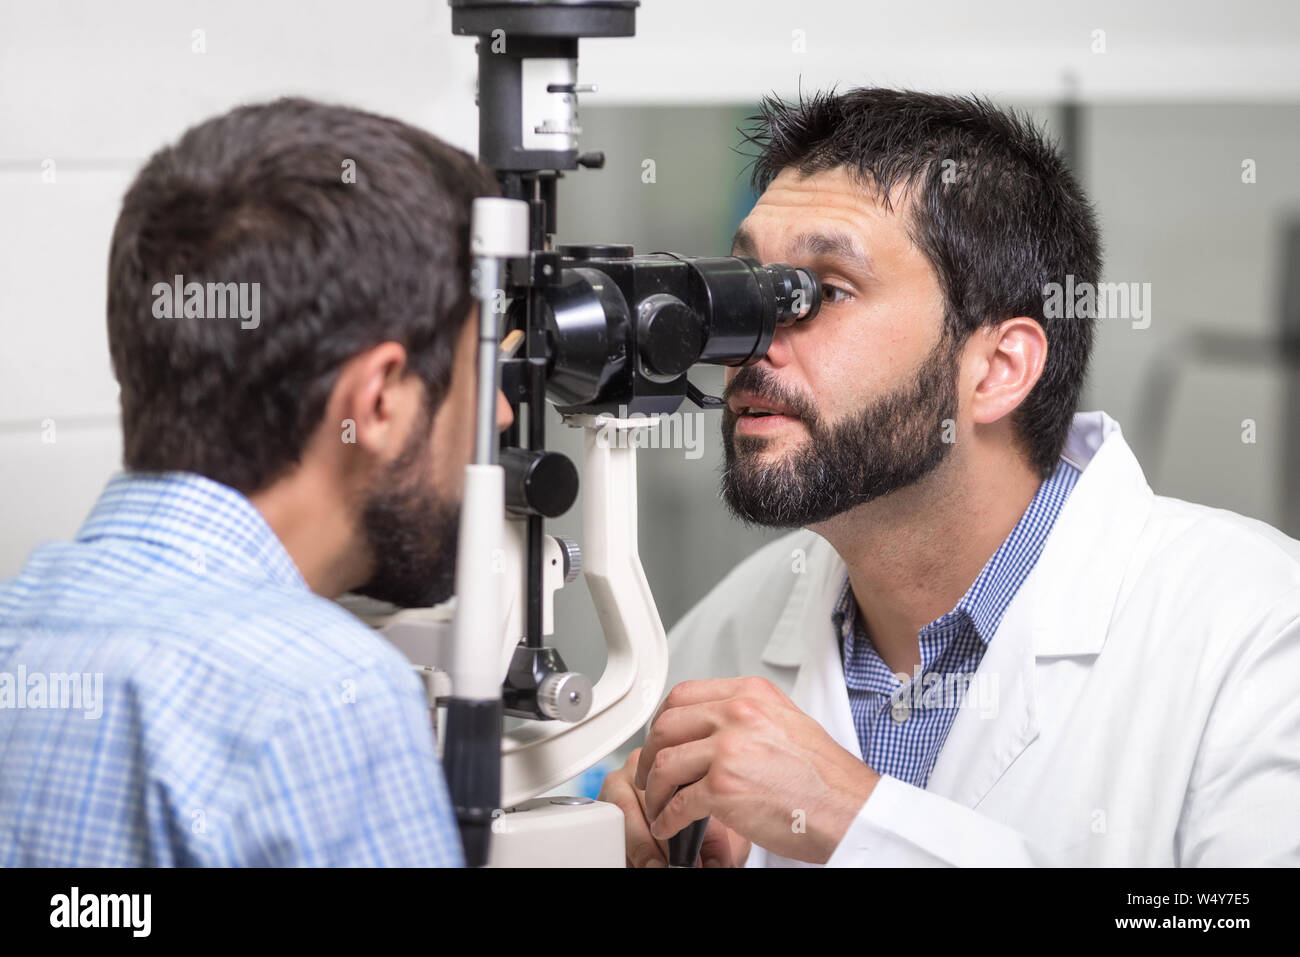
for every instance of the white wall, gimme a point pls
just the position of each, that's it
(693, 51)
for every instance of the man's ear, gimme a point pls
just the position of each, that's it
(1011, 356)
(374, 401)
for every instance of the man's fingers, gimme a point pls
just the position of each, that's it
(687, 694)
(717, 851)
(715, 689)
(674, 768)
(676, 727)
(640, 847)
(690, 803)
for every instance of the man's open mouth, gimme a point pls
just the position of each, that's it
(756, 412)
(750, 406)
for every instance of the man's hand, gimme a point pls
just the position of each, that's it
(721, 848)
(742, 752)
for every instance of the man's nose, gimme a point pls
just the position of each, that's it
(505, 415)
(780, 352)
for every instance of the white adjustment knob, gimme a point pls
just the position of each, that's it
(565, 696)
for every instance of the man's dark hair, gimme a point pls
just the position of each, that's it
(355, 228)
(995, 210)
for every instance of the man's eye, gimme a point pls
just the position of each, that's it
(829, 293)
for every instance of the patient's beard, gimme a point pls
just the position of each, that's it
(411, 530)
(894, 442)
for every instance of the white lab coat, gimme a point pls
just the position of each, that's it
(1147, 674)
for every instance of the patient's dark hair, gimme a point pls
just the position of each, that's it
(994, 208)
(355, 228)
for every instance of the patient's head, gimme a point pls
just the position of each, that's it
(288, 311)
(934, 223)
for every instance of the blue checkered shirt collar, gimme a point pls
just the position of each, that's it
(195, 523)
(987, 599)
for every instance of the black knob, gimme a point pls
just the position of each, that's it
(539, 482)
(670, 337)
(684, 846)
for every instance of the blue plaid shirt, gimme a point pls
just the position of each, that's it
(172, 693)
(901, 725)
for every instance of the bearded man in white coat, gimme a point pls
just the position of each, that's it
(988, 642)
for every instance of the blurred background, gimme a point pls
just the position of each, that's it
(1182, 118)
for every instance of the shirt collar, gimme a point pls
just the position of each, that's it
(1002, 575)
(204, 526)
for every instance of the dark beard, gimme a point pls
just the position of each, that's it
(889, 445)
(411, 530)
